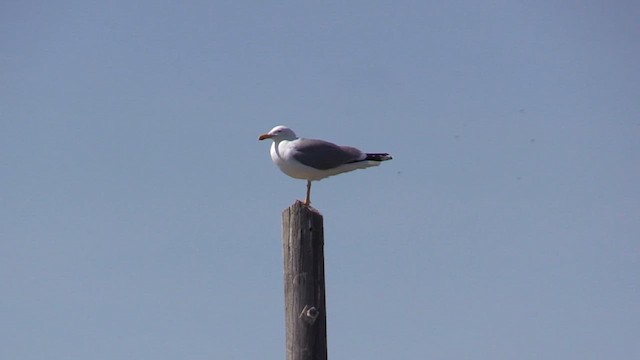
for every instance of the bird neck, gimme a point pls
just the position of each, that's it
(279, 146)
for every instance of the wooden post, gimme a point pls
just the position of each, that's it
(305, 310)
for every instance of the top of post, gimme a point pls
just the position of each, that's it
(300, 208)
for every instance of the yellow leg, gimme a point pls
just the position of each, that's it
(307, 201)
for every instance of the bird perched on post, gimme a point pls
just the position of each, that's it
(311, 159)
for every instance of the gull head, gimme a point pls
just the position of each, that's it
(279, 133)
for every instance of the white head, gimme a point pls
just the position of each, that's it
(279, 133)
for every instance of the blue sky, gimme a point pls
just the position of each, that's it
(141, 217)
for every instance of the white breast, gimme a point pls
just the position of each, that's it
(282, 155)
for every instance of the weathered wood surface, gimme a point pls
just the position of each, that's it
(304, 286)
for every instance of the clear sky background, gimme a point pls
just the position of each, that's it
(140, 218)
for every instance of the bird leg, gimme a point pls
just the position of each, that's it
(307, 201)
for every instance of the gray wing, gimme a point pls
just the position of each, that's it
(324, 155)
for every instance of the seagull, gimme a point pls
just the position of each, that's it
(311, 159)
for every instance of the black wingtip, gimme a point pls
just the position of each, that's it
(378, 157)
